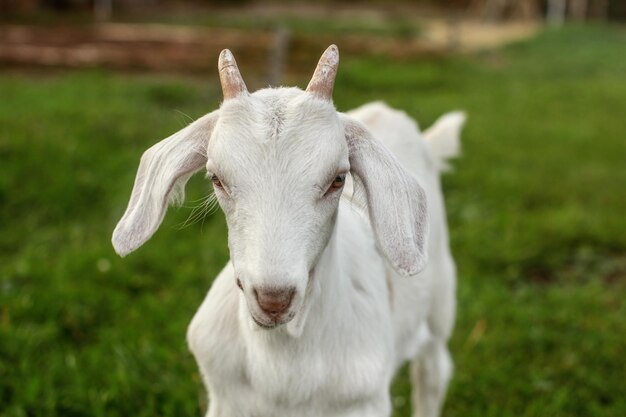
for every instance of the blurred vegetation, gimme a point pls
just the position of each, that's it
(396, 25)
(384, 24)
(536, 208)
(502, 10)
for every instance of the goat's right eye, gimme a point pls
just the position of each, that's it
(216, 181)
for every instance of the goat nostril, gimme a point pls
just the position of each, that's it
(239, 284)
(274, 302)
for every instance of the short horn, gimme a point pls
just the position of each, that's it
(230, 77)
(323, 79)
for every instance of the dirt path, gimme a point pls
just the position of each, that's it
(473, 35)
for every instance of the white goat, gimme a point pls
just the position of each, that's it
(322, 318)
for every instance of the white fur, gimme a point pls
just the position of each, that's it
(355, 317)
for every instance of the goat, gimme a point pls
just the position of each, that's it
(327, 215)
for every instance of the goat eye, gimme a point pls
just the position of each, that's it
(338, 182)
(216, 181)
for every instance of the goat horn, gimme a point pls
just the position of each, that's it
(230, 77)
(323, 79)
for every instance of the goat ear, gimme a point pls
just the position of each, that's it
(396, 202)
(163, 172)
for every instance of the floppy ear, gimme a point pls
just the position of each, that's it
(396, 202)
(163, 172)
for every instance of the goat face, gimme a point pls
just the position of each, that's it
(278, 159)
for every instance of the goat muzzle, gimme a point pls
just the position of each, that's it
(274, 302)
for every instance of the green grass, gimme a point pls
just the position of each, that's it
(536, 208)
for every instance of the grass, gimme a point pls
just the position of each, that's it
(536, 209)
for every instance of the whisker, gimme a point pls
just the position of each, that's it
(191, 119)
(206, 206)
(199, 200)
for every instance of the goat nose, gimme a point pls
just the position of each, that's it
(274, 302)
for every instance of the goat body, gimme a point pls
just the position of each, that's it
(361, 321)
(325, 312)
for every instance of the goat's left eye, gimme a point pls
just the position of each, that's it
(216, 181)
(338, 182)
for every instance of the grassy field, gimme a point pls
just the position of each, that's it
(536, 207)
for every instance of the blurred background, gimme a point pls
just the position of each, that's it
(536, 204)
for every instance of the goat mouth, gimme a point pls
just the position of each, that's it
(263, 325)
(274, 322)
